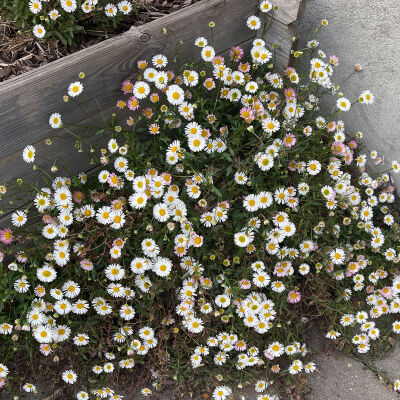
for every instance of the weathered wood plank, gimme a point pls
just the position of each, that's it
(12, 166)
(32, 97)
(28, 100)
(289, 10)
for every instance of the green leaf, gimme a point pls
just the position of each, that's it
(217, 191)
(100, 131)
(61, 37)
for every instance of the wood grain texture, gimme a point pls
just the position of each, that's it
(288, 11)
(27, 100)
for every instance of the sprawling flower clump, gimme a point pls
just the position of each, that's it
(226, 211)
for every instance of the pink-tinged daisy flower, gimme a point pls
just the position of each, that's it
(268, 355)
(87, 265)
(292, 202)
(209, 84)
(154, 129)
(386, 292)
(170, 75)
(47, 219)
(244, 67)
(240, 345)
(358, 67)
(370, 289)
(45, 349)
(244, 284)
(293, 297)
(218, 60)
(236, 53)
(206, 282)
(292, 165)
(180, 251)
(352, 144)
(121, 104)
(6, 236)
(142, 64)
(78, 196)
(348, 158)
(21, 257)
(119, 243)
(275, 368)
(133, 103)
(147, 112)
(338, 148)
(40, 291)
(289, 140)
(331, 126)
(334, 60)
(127, 87)
(130, 121)
(352, 268)
(247, 114)
(223, 130)
(113, 180)
(307, 130)
(224, 204)
(290, 93)
(289, 71)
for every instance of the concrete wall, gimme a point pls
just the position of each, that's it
(365, 32)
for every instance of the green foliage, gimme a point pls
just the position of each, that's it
(217, 223)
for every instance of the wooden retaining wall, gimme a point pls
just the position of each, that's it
(27, 100)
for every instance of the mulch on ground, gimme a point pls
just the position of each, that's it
(21, 51)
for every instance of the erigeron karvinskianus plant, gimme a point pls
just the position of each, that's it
(226, 211)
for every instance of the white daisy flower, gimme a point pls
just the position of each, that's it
(270, 125)
(69, 376)
(221, 392)
(18, 218)
(126, 313)
(39, 31)
(162, 266)
(110, 10)
(343, 104)
(35, 6)
(55, 120)
(313, 167)
(175, 94)
(43, 334)
(125, 7)
(242, 239)
(265, 6)
(207, 53)
(196, 143)
(253, 23)
(201, 42)
(161, 212)
(81, 339)
(159, 61)
(46, 274)
(141, 89)
(75, 89)
(114, 272)
(28, 154)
